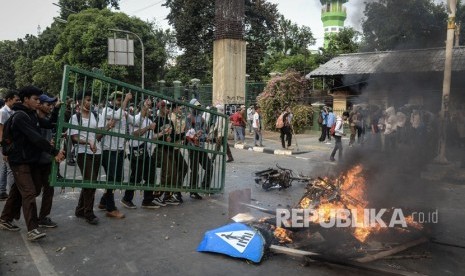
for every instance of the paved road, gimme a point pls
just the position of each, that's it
(164, 241)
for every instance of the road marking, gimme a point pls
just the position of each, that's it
(39, 258)
(303, 158)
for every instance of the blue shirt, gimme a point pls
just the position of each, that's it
(330, 119)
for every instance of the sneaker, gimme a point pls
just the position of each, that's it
(8, 225)
(171, 200)
(3, 196)
(47, 223)
(71, 162)
(178, 196)
(128, 204)
(158, 201)
(92, 220)
(150, 205)
(115, 214)
(332, 159)
(230, 160)
(195, 196)
(35, 234)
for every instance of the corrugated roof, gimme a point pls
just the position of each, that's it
(419, 60)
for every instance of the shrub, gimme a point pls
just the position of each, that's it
(281, 91)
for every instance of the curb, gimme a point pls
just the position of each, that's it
(262, 149)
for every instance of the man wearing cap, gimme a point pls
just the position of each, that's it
(46, 106)
(196, 137)
(113, 148)
(6, 175)
(23, 156)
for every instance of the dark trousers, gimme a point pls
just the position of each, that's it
(23, 193)
(219, 143)
(47, 190)
(337, 146)
(112, 163)
(197, 158)
(286, 131)
(173, 167)
(89, 165)
(142, 169)
(324, 133)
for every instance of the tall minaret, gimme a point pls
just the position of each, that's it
(333, 15)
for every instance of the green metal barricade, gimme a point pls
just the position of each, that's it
(164, 145)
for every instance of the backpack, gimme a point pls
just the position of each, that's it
(320, 118)
(7, 138)
(332, 130)
(280, 121)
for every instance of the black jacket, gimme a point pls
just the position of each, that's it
(28, 143)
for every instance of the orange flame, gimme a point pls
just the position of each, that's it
(282, 235)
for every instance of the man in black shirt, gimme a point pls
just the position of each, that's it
(27, 145)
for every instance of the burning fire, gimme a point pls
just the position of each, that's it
(346, 192)
(282, 235)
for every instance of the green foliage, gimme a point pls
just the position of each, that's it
(83, 43)
(8, 53)
(76, 6)
(47, 74)
(303, 63)
(23, 72)
(282, 91)
(344, 42)
(393, 25)
(194, 26)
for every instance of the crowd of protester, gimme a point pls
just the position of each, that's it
(148, 132)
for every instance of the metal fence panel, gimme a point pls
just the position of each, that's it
(168, 145)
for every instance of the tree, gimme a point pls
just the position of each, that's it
(392, 24)
(47, 74)
(260, 26)
(83, 43)
(343, 42)
(290, 39)
(8, 53)
(288, 48)
(192, 21)
(76, 6)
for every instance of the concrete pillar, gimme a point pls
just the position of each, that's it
(340, 101)
(177, 89)
(229, 56)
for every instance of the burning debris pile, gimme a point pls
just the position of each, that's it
(341, 204)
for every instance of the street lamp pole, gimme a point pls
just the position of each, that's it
(441, 158)
(141, 43)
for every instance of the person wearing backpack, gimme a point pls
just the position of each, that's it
(338, 133)
(286, 130)
(324, 124)
(6, 175)
(331, 121)
(22, 131)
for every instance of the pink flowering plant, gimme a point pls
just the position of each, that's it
(284, 90)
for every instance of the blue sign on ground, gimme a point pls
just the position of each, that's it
(236, 240)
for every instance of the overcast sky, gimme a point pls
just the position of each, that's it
(21, 17)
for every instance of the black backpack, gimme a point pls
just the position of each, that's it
(7, 138)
